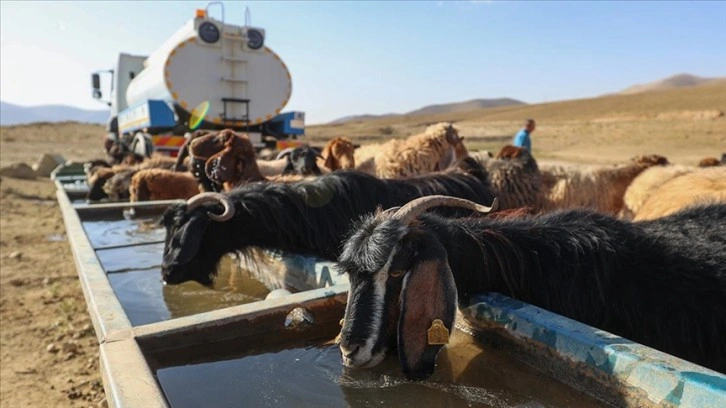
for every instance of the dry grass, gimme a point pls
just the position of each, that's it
(72, 140)
(681, 124)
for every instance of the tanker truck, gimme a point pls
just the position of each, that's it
(208, 75)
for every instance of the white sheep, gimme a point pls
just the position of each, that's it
(600, 188)
(435, 149)
(702, 186)
(646, 183)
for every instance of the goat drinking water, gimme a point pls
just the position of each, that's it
(661, 283)
(309, 216)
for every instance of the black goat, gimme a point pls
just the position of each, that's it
(661, 283)
(301, 160)
(308, 216)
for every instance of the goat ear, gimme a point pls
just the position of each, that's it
(221, 167)
(429, 294)
(186, 241)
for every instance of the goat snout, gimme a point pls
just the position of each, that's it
(359, 355)
(349, 354)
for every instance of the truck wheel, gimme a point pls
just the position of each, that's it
(142, 144)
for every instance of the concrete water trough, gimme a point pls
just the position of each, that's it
(188, 345)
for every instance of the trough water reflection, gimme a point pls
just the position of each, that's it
(467, 375)
(130, 251)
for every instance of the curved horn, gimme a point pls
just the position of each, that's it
(284, 153)
(414, 208)
(220, 198)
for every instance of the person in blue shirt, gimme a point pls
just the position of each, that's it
(523, 138)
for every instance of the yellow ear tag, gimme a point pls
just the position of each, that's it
(438, 333)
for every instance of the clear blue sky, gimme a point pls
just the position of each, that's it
(379, 57)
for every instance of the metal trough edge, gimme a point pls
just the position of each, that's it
(127, 379)
(166, 333)
(638, 371)
(107, 314)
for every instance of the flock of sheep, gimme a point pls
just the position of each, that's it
(646, 187)
(422, 224)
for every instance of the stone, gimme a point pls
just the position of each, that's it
(18, 171)
(47, 163)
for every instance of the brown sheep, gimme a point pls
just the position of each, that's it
(117, 187)
(702, 185)
(339, 153)
(709, 162)
(162, 184)
(97, 178)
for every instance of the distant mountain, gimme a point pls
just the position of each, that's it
(676, 81)
(11, 114)
(353, 118)
(473, 104)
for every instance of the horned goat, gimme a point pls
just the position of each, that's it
(597, 187)
(308, 216)
(703, 185)
(661, 283)
(162, 184)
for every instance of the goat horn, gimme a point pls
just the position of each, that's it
(414, 208)
(202, 198)
(284, 153)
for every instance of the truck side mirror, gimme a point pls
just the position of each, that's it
(96, 80)
(97, 94)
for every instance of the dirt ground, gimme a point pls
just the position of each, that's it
(48, 350)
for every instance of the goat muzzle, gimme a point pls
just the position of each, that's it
(220, 198)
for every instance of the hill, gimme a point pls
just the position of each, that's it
(676, 81)
(685, 124)
(11, 114)
(435, 109)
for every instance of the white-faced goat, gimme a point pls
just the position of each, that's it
(661, 283)
(310, 216)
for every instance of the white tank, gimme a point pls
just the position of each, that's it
(188, 70)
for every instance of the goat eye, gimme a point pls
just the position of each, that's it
(396, 273)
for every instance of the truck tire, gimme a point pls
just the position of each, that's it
(142, 144)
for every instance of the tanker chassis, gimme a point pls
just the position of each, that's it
(155, 100)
